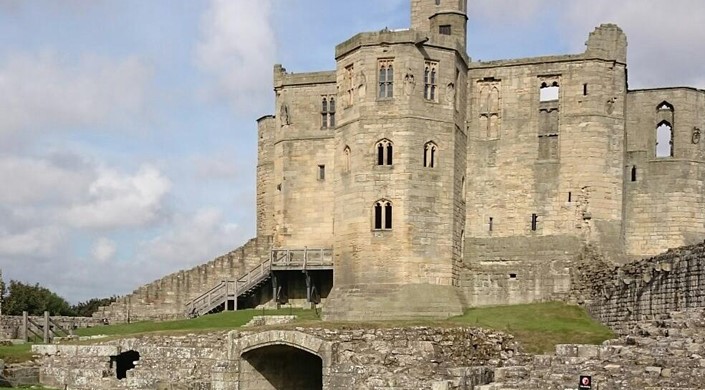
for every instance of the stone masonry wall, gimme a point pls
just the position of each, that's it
(166, 298)
(622, 296)
(353, 358)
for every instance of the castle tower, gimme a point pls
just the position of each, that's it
(446, 17)
(400, 158)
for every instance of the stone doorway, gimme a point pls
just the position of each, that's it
(280, 367)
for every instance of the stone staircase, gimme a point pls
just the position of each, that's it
(664, 354)
(224, 295)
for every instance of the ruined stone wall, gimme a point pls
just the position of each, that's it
(166, 298)
(266, 129)
(354, 358)
(664, 195)
(621, 296)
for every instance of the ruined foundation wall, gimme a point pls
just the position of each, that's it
(166, 298)
(621, 296)
(358, 358)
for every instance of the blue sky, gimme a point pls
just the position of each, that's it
(127, 128)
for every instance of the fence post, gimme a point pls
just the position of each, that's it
(46, 327)
(23, 328)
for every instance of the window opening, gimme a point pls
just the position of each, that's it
(124, 362)
(383, 215)
(444, 29)
(327, 112)
(386, 79)
(438, 2)
(491, 223)
(349, 83)
(665, 106)
(549, 92)
(534, 221)
(429, 157)
(430, 72)
(321, 172)
(664, 140)
(346, 161)
(385, 150)
(570, 196)
(634, 173)
(462, 187)
(512, 276)
(585, 89)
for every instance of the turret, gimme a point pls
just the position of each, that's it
(445, 17)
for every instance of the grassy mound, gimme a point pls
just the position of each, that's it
(539, 326)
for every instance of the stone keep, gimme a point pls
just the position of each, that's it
(532, 159)
(440, 183)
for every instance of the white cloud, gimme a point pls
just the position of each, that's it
(663, 40)
(104, 250)
(237, 48)
(47, 91)
(119, 200)
(41, 241)
(192, 239)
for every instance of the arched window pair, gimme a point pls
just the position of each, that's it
(385, 152)
(383, 215)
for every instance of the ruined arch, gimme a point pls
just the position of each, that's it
(282, 360)
(664, 139)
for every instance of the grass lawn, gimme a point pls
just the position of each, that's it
(539, 326)
(219, 321)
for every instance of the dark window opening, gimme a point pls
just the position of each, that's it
(634, 173)
(570, 196)
(385, 151)
(438, 2)
(378, 216)
(512, 276)
(665, 106)
(534, 221)
(585, 89)
(124, 362)
(444, 29)
(321, 172)
(491, 223)
(383, 215)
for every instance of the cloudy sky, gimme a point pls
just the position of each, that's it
(127, 127)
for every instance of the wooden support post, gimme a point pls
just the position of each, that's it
(275, 287)
(46, 327)
(308, 286)
(24, 334)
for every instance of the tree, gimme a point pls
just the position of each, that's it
(35, 300)
(86, 309)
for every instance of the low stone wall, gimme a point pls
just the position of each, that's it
(666, 354)
(166, 298)
(10, 326)
(358, 358)
(625, 295)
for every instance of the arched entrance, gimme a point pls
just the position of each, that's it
(280, 367)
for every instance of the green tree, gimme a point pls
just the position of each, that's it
(35, 300)
(86, 309)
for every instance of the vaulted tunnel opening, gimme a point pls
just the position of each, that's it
(280, 367)
(124, 362)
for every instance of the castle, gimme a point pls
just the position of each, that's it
(433, 183)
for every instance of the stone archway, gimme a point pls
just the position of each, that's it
(280, 367)
(282, 360)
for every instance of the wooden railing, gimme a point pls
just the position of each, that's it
(279, 259)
